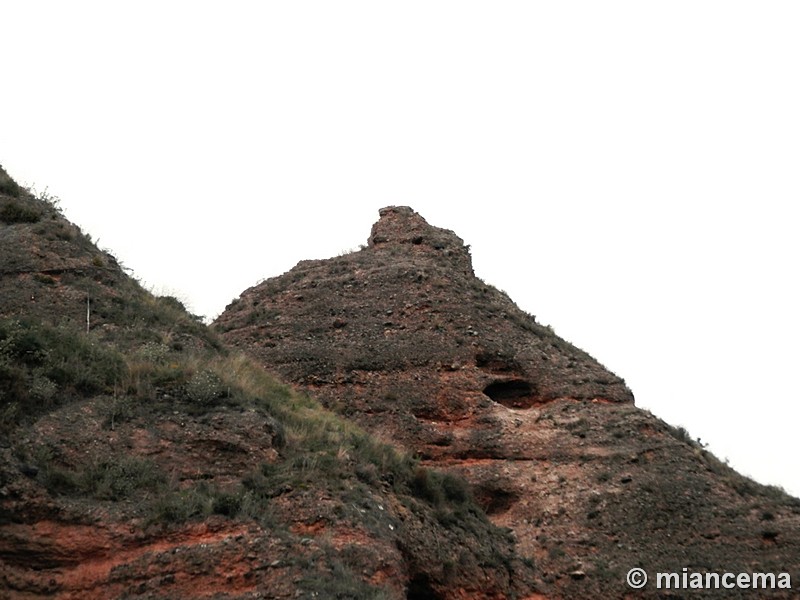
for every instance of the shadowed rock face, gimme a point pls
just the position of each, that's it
(402, 337)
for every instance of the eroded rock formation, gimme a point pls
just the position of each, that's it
(402, 337)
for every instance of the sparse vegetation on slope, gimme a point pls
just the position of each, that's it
(167, 459)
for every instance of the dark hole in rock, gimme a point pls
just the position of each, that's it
(419, 588)
(514, 393)
(495, 501)
(417, 240)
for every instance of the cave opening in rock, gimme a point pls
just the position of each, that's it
(514, 393)
(419, 588)
(495, 501)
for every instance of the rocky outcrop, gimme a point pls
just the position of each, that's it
(403, 338)
(140, 458)
(403, 335)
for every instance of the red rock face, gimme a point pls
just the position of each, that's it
(74, 548)
(402, 337)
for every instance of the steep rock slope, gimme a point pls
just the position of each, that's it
(402, 337)
(141, 459)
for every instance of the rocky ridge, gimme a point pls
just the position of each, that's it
(404, 339)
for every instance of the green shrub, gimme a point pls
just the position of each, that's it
(42, 388)
(14, 212)
(118, 478)
(173, 303)
(340, 581)
(204, 387)
(117, 409)
(13, 381)
(202, 500)
(8, 186)
(455, 489)
(44, 278)
(423, 485)
(680, 434)
(58, 480)
(226, 504)
(113, 478)
(39, 363)
(181, 506)
(436, 488)
(154, 352)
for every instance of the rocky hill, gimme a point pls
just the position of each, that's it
(142, 458)
(402, 338)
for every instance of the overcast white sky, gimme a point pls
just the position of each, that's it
(627, 171)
